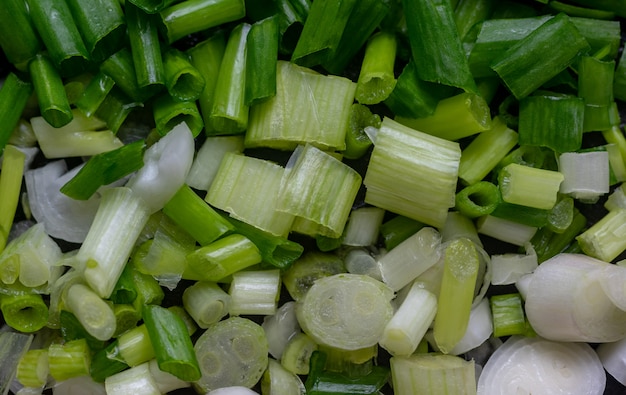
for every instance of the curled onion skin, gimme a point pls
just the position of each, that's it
(533, 365)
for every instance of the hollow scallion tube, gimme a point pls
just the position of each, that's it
(18, 38)
(586, 174)
(362, 227)
(13, 162)
(95, 93)
(357, 139)
(105, 168)
(105, 37)
(457, 293)
(182, 80)
(254, 292)
(525, 215)
(25, 312)
(518, 66)
(261, 57)
(468, 13)
(485, 151)
(604, 240)
(168, 112)
(229, 113)
(194, 215)
(376, 78)
(206, 303)
(466, 114)
(60, 35)
(398, 229)
(508, 315)
(94, 313)
(192, 16)
(72, 329)
(134, 347)
(130, 380)
(595, 86)
(68, 360)
(115, 108)
(206, 56)
(313, 265)
(53, 102)
(208, 159)
(32, 370)
(121, 68)
(171, 342)
(478, 199)
(529, 186)
(223, 257)
(505, 230)
(144, 42)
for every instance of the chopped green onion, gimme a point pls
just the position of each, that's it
(530, 216)
(152, 6)
(469, 13)
(121, 68)
(169, 112)
(254, 292)
(552, 121)
(398, 229)
(261, 57)
(25, 312)
(105, 168)
(309, 268)
(134, 347)
(308, 108)
(93, 313)
(402, 165)
(529, 186)
(376, 78)
(249, 190)
(95, 93)
(605, 239)
(478, 199)
(144, 43)
(297, 354)
(115, 108)
(508, 315)
(278, 380)
(53, 102)
(13, 162)
(206, 303)
(362, 227)
(68, 360)
(320, 189)
(12, 346)
(199, 219)
(172, 344)
(187, 17)
(137, 378)
(457, 293)
(220, 259)
(435, 44)
(586, 174)
(18, 38)
(182, 80)
(357, 139)
(509, 268)
(232, 352)
(32, 369)
(532, 61)
(208, 159)
(506, 230)
(106, 36)
(229, 112)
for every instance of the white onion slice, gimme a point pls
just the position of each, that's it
(166, 164)
(566, 301)
(613, 358)
(532, 365)
(479, 328)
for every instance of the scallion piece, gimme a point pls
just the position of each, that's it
(18, 38)
(254, 292)
(261, 57)
(508, 315)
(68, 360)
(619, 81)
(316, 45)
(121, 68)
(13, 162)
(533, 60)
(208, 159)
(137, 379)
(25, 312)
(94, 93)
(152, 6)
(300, 276)
(144, 42)
(320, 189)
(104, 37)
(223, 257)
(12, 346)
(53, 102)
(206, 303)
(586, 174)
(357, 139)
(376, 78)
(278, 380)
(435, 44)
(32, 369)
(478, 199)
(169, 112)
(60, 35)
(529, 186)
(240, 346)
(457, 293)
(398, 229)
(192, 16)
(133, 347)
(529, 216)
(402, 164)
(172, 344)
(105, 168)
(595, 86)
(249, 190)
(308, 108)
(470, 13)
(199, 219)
(505, 230)
(14, 95)
(182, 80)
(605, 240)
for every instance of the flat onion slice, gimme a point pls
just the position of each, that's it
(346, 311)
(533, 365)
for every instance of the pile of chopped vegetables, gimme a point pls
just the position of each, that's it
(312, 197)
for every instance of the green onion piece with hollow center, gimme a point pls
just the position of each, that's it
(13, 161)
(529, 186)
(121, 68)
(24, 312)
(320, 189)
(457, 293)
(182, 80)
(194, 215)
(249, 190)
(169, 112)
(508, 315)
(535, 59)
(469, 13)
(171, 342)
(432, 373)
(53, 102)
(605, 239)
(308, 108)
(68, 360)
(101, 24)
(376, 78)
(14, 96)
(94, 313)
(32, 369)
(60, 35)
(206, 303)
(435, 44)
(143, 37)
(232, 352)
(477, 199)
(115, 108)
(401, 169)
(94, 93)
(300, 276)
(254, 292)
(357, 140)
(192, 16)
(105, 168)
(398, 229)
